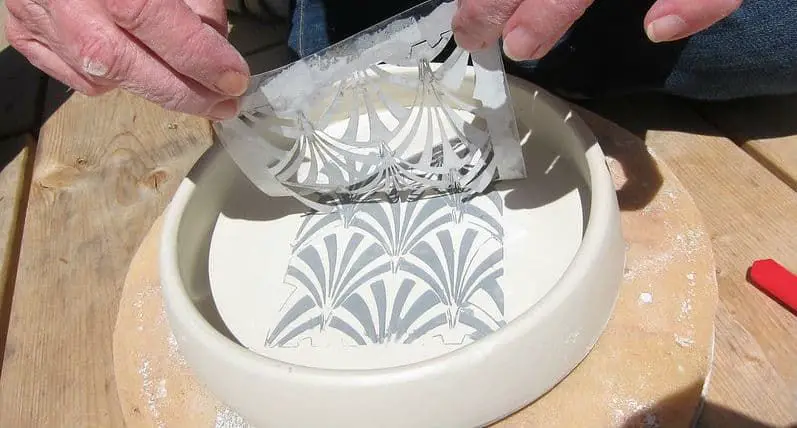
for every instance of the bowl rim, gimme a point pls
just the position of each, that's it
(604, 210)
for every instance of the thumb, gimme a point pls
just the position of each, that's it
(479, 23)
(669, 20)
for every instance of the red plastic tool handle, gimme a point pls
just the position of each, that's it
(776, 281)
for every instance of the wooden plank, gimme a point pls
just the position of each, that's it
(105, 169)
(20, 85)
(14, 160)
(751, 215)
(765, 127)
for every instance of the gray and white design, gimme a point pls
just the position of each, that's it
(392, 137)
(396, 271)
(343, 121)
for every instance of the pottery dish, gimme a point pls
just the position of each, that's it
(439, 312)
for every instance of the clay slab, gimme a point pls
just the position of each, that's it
(391, 283)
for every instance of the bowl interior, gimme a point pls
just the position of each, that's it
(385, 285)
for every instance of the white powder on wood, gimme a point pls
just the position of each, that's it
(154, 392)
(226, 418)
(686, 307)
(685, 244)
(630, 409)
(684, 341)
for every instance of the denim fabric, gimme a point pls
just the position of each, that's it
(752, 52)
(308, 28)
(319, 23)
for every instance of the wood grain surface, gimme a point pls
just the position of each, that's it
(750, 214)
(104, 170)
(766, 128)
(14, 180)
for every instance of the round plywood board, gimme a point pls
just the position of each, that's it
(649, 369)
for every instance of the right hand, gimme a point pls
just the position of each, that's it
(174, 53)
(530, 28)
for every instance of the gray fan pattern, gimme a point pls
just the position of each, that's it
(397, 271)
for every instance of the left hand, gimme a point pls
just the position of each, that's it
(174, 53)
(530, 28)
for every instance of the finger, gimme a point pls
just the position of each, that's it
(537, 25)
(669, 20)
(478, 23)
(107, 55)
(47, 61)
(212, 12)
(36, 19)
(179, 37)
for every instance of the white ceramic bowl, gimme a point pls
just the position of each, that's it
(565, 270)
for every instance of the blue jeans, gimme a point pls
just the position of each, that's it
(750, 53)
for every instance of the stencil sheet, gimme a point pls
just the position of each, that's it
(397, 109)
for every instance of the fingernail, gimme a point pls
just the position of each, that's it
(519, 45)
(224, 110)
(233, 83)
(666, 28)
(94, 68)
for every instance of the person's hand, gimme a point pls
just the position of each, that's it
(530, 28)
(171, 52)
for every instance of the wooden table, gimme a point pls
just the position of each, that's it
(78, 195)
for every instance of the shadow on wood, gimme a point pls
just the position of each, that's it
(764, 127)
(56, 94)
(10, 148)
(264, 44)
(682, 403)
(640, 113)
(20, 93)
(772, 117)
(643, 180)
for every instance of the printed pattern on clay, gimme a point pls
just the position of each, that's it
(398, 271)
